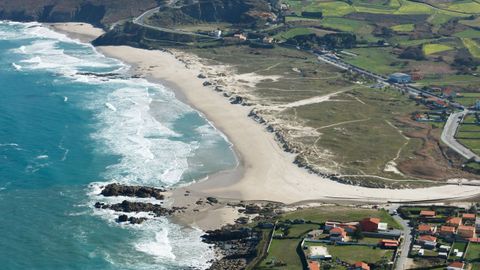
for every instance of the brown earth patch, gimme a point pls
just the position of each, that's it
(432, 161)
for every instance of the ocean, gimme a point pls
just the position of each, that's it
(72, 120)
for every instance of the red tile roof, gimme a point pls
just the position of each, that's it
(447, 229)
(427, 213)
(338, 230)
(456, 264)
(428, 238)
(468, 216)
(362, 265)
(424, 227)
(454, 220)
(313, 265)
(372, 220)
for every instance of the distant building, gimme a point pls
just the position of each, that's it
(313, 265)
(477, 105)
(447, 231)
(426, 229)
(387, 243)
(456, 266)
(427, 241)
(361, 266)
(369, 224)
(466, 231)
(315, 234)
(468, 217)
(338, 235)
(454, 222)
(427, 213)
(449, 93)
(400, 78)
(240, 37)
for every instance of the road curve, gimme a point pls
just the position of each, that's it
(448, 135)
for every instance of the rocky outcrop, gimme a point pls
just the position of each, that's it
(136, 207)
(98, 12)
(132, 191)
(236, 246)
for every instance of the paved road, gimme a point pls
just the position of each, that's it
(402, 258)
(407, 241)
(448, 135)
(140, 20)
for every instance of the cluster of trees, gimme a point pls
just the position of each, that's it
(330, 41)
(413, 52)
(464, 62)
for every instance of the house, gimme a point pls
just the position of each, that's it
(447, 231)
(426, 229)
(399, 78)
(369, 224)
(349, 227)
(469, 217)
(477, 223)
(240, 36)
(361, 266)
(466, 231)
(313, 265)
(338, 234)
(443, 255)
(315, 234)
(387, 243)
(456, 266)
(454, 222)
(427, 241)
(449, 93)
(427, 214)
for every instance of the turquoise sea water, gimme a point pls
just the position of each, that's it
(64, 132)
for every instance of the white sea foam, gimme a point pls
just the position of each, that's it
(16, 67)
(42, 157)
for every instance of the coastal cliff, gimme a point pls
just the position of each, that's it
(99, 13)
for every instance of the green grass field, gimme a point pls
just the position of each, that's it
(285, 251)
(473, 253)
(403, 27)
(429, 49)
(472, 46)
(352, 254)
(343, 214)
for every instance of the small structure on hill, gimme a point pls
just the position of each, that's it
(400, 78)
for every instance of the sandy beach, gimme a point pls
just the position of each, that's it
(265, 171)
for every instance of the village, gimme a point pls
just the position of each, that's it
(392, 237)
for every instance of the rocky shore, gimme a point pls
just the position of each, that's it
(134, 207)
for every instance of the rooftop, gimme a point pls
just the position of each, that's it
(427, 213)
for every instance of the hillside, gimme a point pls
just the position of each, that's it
(99, 12)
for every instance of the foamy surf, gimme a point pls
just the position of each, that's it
(153, 138)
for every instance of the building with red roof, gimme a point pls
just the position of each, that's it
(456, 266)
(427, 241)
(447, 231)
(466, 231)
(361, 266)
(426, 229)
(369, 224)
(427, 213)
(338, 234)
(454, 222)
(468, 216)
(387, 243)
(313, 265)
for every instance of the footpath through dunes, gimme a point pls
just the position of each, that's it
(265, 172)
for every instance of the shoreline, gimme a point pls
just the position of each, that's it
(265, 172)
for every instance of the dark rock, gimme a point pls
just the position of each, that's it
(201, 76)
(132, 191)
(99, 205)
(122, 218)
(212, 199)
(135, 220)
(129, 207)
(236, 100)
(207, 83)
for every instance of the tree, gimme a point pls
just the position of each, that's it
(413, 52)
